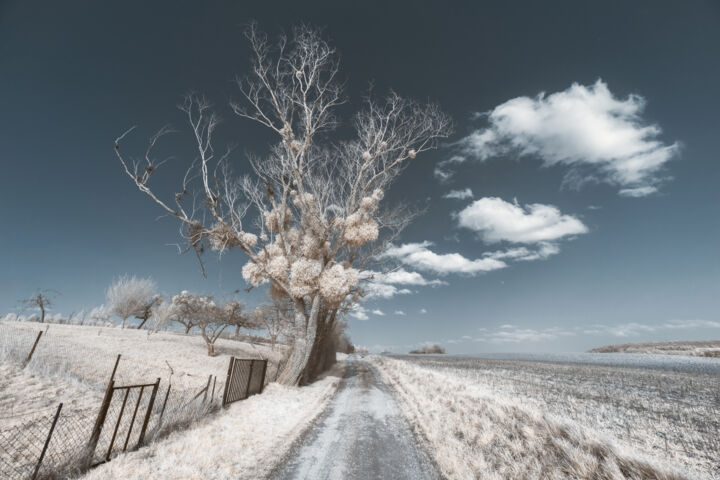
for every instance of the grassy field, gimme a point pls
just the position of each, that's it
(72, 364)
(519, 419)
(700, 348)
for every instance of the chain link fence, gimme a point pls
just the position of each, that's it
(52, 443)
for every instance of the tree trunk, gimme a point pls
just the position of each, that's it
(323, 353)
(305, 332)
(144, 319)
(42, 314)
(211, 349)
(187, 328)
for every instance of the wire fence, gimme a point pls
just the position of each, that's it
(56, 442)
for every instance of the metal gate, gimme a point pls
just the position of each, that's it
(119, 412)
(245, 377)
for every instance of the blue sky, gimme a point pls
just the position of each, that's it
(582, 174)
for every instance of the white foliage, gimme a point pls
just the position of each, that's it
(129, 296)
(304, 276)
(336, 282)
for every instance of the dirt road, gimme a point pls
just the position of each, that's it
(362, 436)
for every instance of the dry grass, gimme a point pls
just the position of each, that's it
(87, 354)
(700, 348)
(72, 365)
(475, 432)
(245, 442)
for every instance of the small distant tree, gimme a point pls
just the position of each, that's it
(201, 311)
(276, 318)
(237, 316)
(212, 320)
(148, 310)
(428, 348)
(184, 310)
(42, 300)
(344, 344)
(132, 297)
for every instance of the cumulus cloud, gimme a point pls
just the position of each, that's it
(497, 220)
(423, 311)
(403, 277)
(418, 255)
(359, 312)
(586, 128)
(378, 312)
(459, 194)
(399, 312)
(382, 290)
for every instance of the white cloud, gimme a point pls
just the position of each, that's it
(382, 290)
(586, 128)
(635, 328)
(443, 172)
(359, 312)
(497, 220)
(638, 191)
(378, 313)
(524, 254)
(508, 333)
(423, 311)
(459, 194)
(418, 255)
(399, 312)
(513, 334)
(403, 277)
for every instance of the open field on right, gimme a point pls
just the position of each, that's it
(660, 415)
(700, 348)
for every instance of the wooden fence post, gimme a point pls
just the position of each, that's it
(207, 388)
(100, 420)
(47, 440)
(162, 411)
(32, 350)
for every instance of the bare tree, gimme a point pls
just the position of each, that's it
(132, 297)
(275, 317)
(42, 300)
(237, 316)
(184, 310)
(202, 311)
(315, 198)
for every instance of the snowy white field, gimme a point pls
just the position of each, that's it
(247, 441)
(87, 354)
(72, 365)
(495, 423)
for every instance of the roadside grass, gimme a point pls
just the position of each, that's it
(474, 432)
